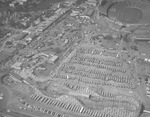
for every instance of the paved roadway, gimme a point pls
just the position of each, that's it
(6, 95)
(141, 91)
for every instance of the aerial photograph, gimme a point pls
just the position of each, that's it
(74, 58)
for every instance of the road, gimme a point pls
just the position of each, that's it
(6, 95)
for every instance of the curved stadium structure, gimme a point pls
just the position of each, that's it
(128, 11)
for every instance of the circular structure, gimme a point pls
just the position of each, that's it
(130, 15)
(134, 12)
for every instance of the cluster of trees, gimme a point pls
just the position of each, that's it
(25, 6)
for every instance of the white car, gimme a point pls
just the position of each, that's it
(148, 96)
(1, 96)
(147, 88)
(148, 93)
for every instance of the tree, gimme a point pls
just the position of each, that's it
(141, 110)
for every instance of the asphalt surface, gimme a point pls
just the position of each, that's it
(6, 95)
